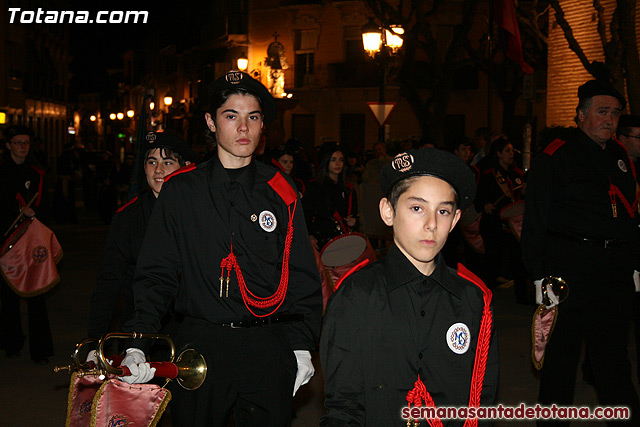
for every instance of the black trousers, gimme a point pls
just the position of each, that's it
(598, 310)
(250, 371)
(11, 333)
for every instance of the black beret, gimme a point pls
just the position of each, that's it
(238, 79)
(155, 140)
(629, 121)
(14, 130)
(598, 87)
(431, 162)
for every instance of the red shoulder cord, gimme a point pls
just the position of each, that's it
(419, 392)
(231, 262)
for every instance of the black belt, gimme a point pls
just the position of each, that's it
(603, 243)
(263, 321)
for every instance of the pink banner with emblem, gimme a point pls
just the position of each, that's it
(81, 393)
(120, 404)
(29, 257)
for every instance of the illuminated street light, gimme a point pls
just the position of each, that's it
(371, 38)
(93, 118)
(152, 105)
(112, 116)
(120, 116)
(243, 62)
(168, 100)
(130, 113)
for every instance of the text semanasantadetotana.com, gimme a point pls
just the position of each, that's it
(40, 16)
(521, 412)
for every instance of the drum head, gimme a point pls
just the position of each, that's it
(343, 250)
(512, 210)
(469, 216)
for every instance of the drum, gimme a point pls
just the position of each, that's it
(470, 228)
(344, 252)
(513, 214)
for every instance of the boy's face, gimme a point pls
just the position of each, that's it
(157, 167)
(238, 125)
(424, 217)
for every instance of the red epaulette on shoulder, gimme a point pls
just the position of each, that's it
(551, 148)
(40, 171)
(187, 168)
(352, 270)
(281, 186)
(467, 274)
(130, 202)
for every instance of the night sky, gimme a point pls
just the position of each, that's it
(97, 47)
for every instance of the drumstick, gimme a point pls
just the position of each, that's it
(21, 214)
(501, 197)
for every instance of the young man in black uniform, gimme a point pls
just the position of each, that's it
(227, 241)
(20, 181)
(165, 153)
(580, 225)
(408, 330)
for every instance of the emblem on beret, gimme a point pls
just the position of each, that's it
(268, 221)
(402, 162)
(151, 137)
(233, 77)
(622, 165)
(458, 338)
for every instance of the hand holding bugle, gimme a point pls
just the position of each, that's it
(21, 214)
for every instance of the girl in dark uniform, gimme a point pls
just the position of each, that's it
(499, 186)
(331, 203)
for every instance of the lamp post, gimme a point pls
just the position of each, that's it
(383, 44)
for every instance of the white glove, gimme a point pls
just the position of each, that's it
(141, 371)
(305, 369)
(92, 356)
(550, 294)
(636, 279)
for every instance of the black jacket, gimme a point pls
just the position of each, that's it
(198, 216)
(387, 324)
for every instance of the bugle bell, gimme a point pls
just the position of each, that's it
(190, 368)
(557, 285)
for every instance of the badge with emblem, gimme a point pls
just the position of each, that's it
(518, 181)
(622, 165)
(458, 338)
(402, 162)
(268, 221)
(151, 137)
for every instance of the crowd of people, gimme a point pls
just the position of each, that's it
(265, 222)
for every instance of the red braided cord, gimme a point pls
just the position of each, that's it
(631, 210)
(278, 297)
(419, 391)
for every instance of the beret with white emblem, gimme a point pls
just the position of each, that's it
(431, 162)
(237, 79)
(168, 140)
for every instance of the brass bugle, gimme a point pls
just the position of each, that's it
(83, 368)
(557, 285)
(190, 368)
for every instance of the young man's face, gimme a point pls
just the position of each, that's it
(424, 217)
(157, 167)
(18, 146)
(631, 142)
(463, 152)
(600, 121)
(238, 124)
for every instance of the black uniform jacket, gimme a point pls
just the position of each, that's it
(198, 215)
(568, 195)
(387, 324)
(124, 240)
(18, 185)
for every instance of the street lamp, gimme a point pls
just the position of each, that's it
(243, 62)
(381, 44)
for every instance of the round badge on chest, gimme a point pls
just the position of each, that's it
(622, 165)
(458, 338)
(268, 221)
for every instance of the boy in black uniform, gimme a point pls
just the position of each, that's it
(165, 153)
(21, 180)
(408, 330)
(227, 242)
